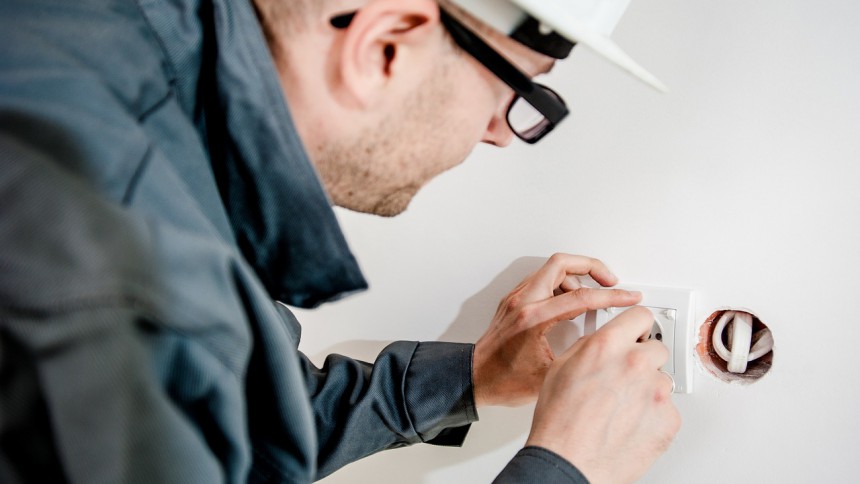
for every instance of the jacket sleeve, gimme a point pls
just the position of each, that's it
(413, 392)
(539, 465)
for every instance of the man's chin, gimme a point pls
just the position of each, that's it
(394, 204)
(391, 205)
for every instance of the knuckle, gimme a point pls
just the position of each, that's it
(584, 296)
(524, 316)
(513, 302)
(598, 345)
(556, 259)
(636, 361)
(641, 312)
(593, 299)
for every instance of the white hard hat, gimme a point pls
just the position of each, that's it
(553, 26)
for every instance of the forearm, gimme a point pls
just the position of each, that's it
(413, 392)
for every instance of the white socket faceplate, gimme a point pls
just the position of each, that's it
(673, 314)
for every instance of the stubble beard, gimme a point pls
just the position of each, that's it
(383, 167)
(369, 175)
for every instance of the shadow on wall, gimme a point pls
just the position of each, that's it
(478, 310)
(497, 428)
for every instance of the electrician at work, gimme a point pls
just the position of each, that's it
(167, 170)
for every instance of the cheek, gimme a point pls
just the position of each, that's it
(464, 105)
(465, 129)
(461, 138)
(478, 109)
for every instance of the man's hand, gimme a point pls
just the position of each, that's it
(605, 407)
(513, 356)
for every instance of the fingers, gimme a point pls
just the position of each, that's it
(570, 283)
(607, 390)
(559, 275)
(560, 266)
(631, 325)
(571, 304)
(643, 358)
(625, 330)
(654, 355)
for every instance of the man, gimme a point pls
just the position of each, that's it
(167, 176)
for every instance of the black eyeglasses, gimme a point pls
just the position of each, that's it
(535, 110)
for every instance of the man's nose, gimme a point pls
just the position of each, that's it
(498, 132)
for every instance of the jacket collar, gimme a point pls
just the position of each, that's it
(282, 218)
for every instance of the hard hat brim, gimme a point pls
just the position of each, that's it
(563, 22)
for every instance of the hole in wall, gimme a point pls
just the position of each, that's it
(709, 354)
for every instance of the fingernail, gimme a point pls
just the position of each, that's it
(635, 293)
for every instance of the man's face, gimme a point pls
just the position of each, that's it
(432, 128)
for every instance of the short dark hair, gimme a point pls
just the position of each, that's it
(283, 18)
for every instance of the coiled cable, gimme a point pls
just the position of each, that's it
(744, 346)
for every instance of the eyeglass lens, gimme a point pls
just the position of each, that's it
(526, 121)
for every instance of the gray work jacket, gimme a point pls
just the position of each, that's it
(155, 203)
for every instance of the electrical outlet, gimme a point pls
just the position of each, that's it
(673, 312)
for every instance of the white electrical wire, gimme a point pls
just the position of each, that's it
(745, 346)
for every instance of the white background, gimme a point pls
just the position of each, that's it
(742, 183)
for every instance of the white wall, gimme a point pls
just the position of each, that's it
(742, 183)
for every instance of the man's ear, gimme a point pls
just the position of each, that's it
(378, 39)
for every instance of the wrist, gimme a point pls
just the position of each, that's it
(478, 386)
